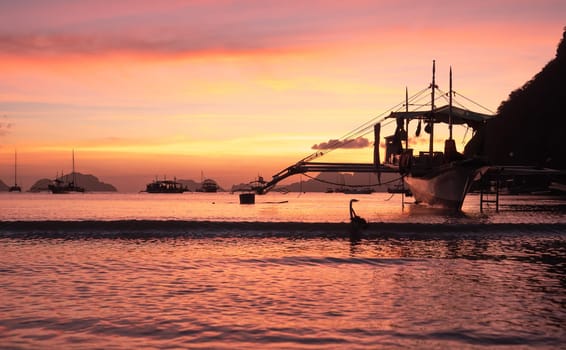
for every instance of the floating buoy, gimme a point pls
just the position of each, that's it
(247, 198)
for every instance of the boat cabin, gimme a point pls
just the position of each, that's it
(404, 158)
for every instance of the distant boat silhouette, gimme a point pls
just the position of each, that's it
(208, 185)
(166, 186)
(351, 190)
(256, 184)
(60, 185)
(15, 188)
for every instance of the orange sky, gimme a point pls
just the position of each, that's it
(236, 89)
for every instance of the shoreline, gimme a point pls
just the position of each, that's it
(244, 229)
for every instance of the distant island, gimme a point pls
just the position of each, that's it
(89, 182)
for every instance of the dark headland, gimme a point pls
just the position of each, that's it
(530, 125)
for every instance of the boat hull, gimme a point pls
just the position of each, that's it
(63, 189)
(165, 187)
(15, 188)
(446, 188)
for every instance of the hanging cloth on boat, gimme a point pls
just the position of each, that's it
(400, 135)
(418, 131)
(376, 161)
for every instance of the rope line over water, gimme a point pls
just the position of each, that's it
(353, 186)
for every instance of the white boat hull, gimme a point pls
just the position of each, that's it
(446, 188)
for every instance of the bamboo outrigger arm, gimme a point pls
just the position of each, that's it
(318, 167)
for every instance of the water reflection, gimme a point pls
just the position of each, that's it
(235, 291)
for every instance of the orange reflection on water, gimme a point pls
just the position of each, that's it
(233, 291)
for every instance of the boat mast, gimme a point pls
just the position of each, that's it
(407, 120)
(15, 168)
(74, 177)
(431, 141)
(450, 107)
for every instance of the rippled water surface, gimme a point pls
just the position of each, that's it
(261, 277)
(273, 207)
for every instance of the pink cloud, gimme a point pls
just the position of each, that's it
(5, 126)
(360, 142)
(63, 27)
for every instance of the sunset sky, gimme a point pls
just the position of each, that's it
(233, 89)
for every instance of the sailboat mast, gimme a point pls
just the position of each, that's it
(450, 107)
(431, 141)
(407, 120)
(74, 176)
(15, 168)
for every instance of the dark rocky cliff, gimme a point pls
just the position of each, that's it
(531, 125)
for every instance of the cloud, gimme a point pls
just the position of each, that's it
(89, 44)
(199, 28)
(181, 28)
(65, 27)
(360, 142)
(5, 126)
(177, 42)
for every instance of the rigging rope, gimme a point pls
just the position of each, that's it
(415, 101)
(364, 129)
(388, 199)
(474, 102)
(446, 97)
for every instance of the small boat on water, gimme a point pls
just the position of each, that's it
(15, 188)
(355, 190)
(166, 186)
(436, 178)
(62, 184)
(208, 185)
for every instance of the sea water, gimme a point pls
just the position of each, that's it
(122, 271)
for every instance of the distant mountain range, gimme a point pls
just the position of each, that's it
(320, 183)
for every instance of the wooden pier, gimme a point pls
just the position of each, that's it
(489, 189)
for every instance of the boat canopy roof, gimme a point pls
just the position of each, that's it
(441, 115)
